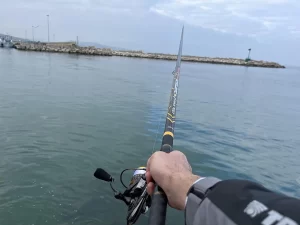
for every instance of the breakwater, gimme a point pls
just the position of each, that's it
(72, 48)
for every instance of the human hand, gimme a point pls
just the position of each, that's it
(173, 173)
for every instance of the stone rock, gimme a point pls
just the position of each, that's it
(72, 48)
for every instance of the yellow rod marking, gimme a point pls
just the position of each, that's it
(171, 115)
(170, 120)
(169, 133)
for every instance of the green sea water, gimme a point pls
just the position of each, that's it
(62, 116)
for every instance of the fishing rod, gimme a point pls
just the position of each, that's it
(135, 195)
(159, 202)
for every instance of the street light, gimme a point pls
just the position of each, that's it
(249, 53)
(33, 27)
(248, 58)
(48, 28)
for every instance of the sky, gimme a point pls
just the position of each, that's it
(214, 28)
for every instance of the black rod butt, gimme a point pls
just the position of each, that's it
(158, 209)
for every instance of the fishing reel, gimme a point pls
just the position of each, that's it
(135, 195)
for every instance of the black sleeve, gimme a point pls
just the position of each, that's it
(239, 202)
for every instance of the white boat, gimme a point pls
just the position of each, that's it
(6, 42)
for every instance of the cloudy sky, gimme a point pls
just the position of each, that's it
(225, 28)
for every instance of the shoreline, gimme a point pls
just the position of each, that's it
(72, 48)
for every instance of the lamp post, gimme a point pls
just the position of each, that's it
(33, 27)
(248, 58)
(48, 28)
(249, 53)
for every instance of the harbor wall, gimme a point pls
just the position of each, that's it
(72, 48)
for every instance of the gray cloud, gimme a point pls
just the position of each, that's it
(254, 18)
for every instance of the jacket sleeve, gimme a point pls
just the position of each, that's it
(238, 202)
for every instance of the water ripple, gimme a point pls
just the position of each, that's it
(62, 116)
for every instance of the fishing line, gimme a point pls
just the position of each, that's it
(159, 202)
(154, 144)
(135, 195)
(157, 131)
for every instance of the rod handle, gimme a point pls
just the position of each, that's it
(159, 203)
(158, 210)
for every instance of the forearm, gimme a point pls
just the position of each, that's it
(238, 202)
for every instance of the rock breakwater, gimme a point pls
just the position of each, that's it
(72, 48)
(63, 48)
